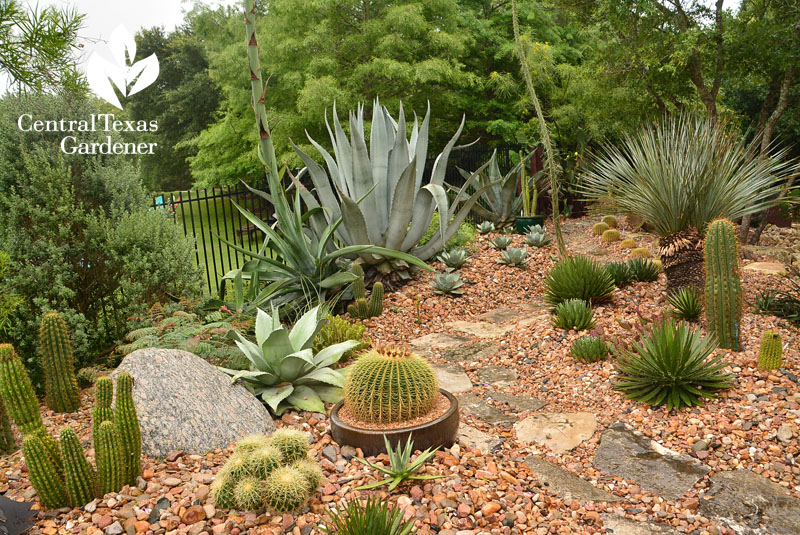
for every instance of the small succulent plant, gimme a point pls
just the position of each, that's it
(610, 220)
(640, 252)
(514, 256)
(620, 272)
(589, 349)
(644, 269)
(599, 228)
(611, 235)
(500, 242)
(535, 238)
(686, 303)
(447, 284)
(454, 258)
(485, 227)
(541, 229)
(573, 314)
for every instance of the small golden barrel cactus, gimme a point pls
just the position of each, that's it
(599, 228)
(640, 252)
(610, 220)
(628, 243)
(291, 443)
(286, 490)
(610, 235)
(771, 355)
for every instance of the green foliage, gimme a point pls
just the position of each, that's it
(43, 472)
(500, 242)
(784, 303)
(643, 269)
(88, 375)
(577, 277)
(79, 476)
(514, 256)
(361, 308)
(390, 385)
(599, 228)
(110, 457)
(454, 258)
(589, 349)
(17, 392)
(485, 227)
(447, 283)
(127, 423)
(377, 517)
(770, 357)
(610, 220)
(7, 441)
(9, 300)
(399, 468)
(537, 238)
(573, 314)
(686, 303)
(610, 235)
(58, 364)
(620, 273)
(337, 330)
(671, 365)
(286, 372)
(463, 236)
(723, 287)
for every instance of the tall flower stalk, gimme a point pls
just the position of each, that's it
(543, 129)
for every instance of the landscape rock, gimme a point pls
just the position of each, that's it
(437, 340)
(560, 431)
(500, 315)
(475, 406)
(477, 439)
(770, 268)
(470, 352)
(619, 525)
(182, 400)
(566, 484)
(497, 375)
(516, 403)
(452, 378)
(629, 454)
(481, 329)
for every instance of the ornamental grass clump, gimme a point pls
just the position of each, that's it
(577, 277)
(275, 472)
(589, 349)
(671, 365)
(573, 314)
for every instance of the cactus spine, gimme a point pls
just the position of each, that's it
(78, 473)
(7, 443)
(361, 308)
(110, 459)
(58, 365)
(771, 355)
(390, 385)
(723, 286)
(103, 393)
(127, 423)
(17, 391)
(43, 472)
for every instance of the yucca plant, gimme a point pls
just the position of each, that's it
(682, 173)
(620, 273)
(454, 258)
(284, 371)
(687, 303)
(377, 517)
(514, 256)
(577, 277)
(535, 238)
(500, 242)
(447, 284)
(643, 269)
(573, 314)
(485, 227)
(671, 365)
(399, 467)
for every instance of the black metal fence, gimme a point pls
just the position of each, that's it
(210, 216)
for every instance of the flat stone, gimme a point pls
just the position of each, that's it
(497, 375)
(515, 402)
(425, 344)
(500, 315)
(470, 352)
(770, 268)
(481, 329)
(477, 439)
(619, 525)
(629, 454)
(452, 378)
(559, 431)
(181, 399)
(475, 406)
(750, 504)
(566, 484)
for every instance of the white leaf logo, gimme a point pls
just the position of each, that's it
(122, 72)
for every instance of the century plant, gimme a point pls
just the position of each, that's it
(770, 356)
(58, 364)
(500, 242)
(374, 392)
(379, 193)
(723, 286)
(284, 371)
(514, 256)
(536, 238)
(399, 468)
(447, 284)
(454, 258)
(485, 227)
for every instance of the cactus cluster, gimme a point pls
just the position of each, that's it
(723, 286)
(337, 330)
(59, 470)
(771, 355)
(58, 364)
(275, 472)
(360, 307)
(390, 385)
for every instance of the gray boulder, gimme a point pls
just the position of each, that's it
(185, 403)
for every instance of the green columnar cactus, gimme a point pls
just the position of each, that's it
(723, 286)
(771, 355)
(359, 291)
(286, 490)
(58, 364)
(376, 300)
(43, 472)
(292, 444)
(390, 385)
(17, 391)
(127, 423)
(7, 443)
(52, 447)
(101, 412)
(361, 308)
(110, 458)
(78, 473)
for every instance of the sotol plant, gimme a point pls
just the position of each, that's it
(771, 355)
(58, 364)
(723, 286)
(374, 393)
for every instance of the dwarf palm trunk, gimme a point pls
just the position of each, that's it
(682, 256)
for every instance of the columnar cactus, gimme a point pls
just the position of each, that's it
(723, 286)
(771, 355)
(110, 458)
(127, 423)
(361, 307)
(390, 385)
(7, 443)
(103, 395)
(376, 300)
(79, 475)
(43, 473)
(17, 391)
(58, 365)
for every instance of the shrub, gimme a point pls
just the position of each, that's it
(611, 235)
(573, 314)
(671, 365)
(643, 269)
(686, 303)
(620, 273)
(599, 228)
(9, 300)
(577, 277)
(588, 349)
(535, 238)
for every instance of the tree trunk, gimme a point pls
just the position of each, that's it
(682, 257)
